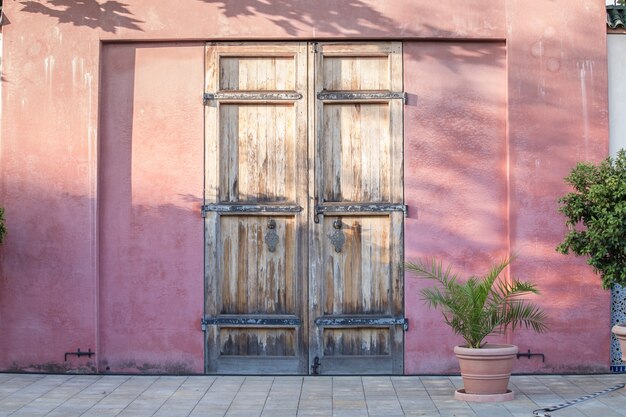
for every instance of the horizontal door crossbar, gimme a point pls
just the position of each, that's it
(252, 96)
(362, 321)
(359, 208)
(227, 208)
(361, 95)
(250, 322)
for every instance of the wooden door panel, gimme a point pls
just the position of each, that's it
(359, 66)
(258, 73)
(357, 342)
(259, 342)
(258, 143)
(256, 279)
(357, 279)
(355, 73)
(356, 152)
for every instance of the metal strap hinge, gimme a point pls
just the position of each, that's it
(361, 95)
(232, 208)
(262, 96)
(362, 322)
(247, 321)
(359, 208)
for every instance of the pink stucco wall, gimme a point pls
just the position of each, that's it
(150, 195)
(455, 168)
(557, 111)
(101, 165)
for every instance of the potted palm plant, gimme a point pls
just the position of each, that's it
(475, 308)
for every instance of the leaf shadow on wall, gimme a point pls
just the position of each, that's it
(438, 183)
(107, 15)
(363, 18)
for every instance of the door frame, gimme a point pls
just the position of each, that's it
(308, 326)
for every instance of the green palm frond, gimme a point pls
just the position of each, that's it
(480, 306)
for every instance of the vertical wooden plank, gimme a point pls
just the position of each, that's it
(253, 247)
(316, 187)
(353, 164)
(254, 138)
(370, 259)
(225, 125)
(288, 270)
(211, 227)
(229, 74)
(241, 277)
(397, 194)
(396, 124)
(248, 137)
(270, 154)
(244, 74)
(211, 129)
(229, 259)
(277, 160)
(397, 281)
(286, 167)
(228, 125)
(354, 264)
(329, 152)
(299, 170)
(280, 77)
(386, 167)
(349, 74)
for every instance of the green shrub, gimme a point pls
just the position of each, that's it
(596, 217)
(3, 229)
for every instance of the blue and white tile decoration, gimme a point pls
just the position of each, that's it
(618, 315)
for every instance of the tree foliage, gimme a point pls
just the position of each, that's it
(596, 217)
(480, 306)
(3, 229)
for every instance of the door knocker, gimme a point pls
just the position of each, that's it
(337, 238)
(271, 237)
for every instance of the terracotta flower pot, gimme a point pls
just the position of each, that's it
(619, 330)
(486, 371)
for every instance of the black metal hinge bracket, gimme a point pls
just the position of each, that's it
(233, 208)
(247, 321)
(366, 208)
(78, 353)
(529, 354)
(362, 322)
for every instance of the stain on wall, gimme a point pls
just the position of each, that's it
(101, 164)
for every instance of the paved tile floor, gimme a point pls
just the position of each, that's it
(30, 395)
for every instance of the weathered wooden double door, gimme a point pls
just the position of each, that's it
(304, 208)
